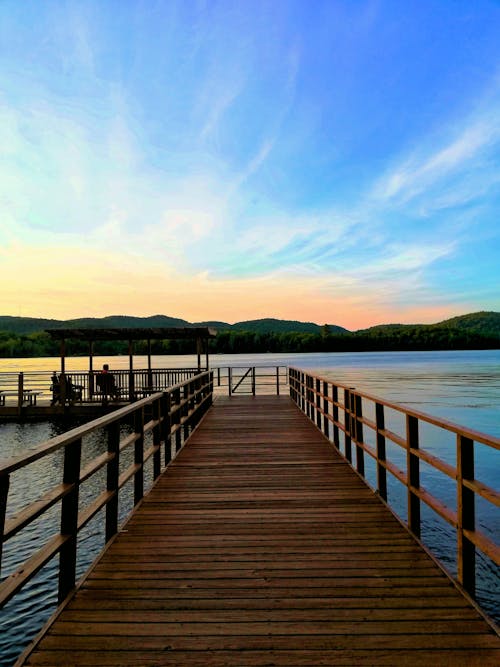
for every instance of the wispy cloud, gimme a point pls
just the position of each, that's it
(459, 159)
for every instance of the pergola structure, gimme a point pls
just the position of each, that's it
(200, 334)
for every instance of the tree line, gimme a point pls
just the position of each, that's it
(429, 337)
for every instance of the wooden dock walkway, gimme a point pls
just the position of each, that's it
(260, 546)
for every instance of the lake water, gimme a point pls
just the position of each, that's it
(460, 386)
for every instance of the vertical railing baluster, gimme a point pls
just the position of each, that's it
(139, 455)
(185, 410)
(177, 420)
(307, 409)
(253, 380)
(466, 552)
(381, 453)
(347, 424)
(303, 391)
(167, 427)
(358, 431)
(277, 380)
(112, 479)
(69, 518)
(335, 415)
(156, 440)
(413, 474)
(326, 421)
(230, 380)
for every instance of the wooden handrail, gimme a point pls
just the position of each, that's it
(164, 415)
(318, 398)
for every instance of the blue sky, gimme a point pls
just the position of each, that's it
(326, 161)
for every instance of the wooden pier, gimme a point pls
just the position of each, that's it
(259, 545)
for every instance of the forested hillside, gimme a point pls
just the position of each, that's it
(26, 337)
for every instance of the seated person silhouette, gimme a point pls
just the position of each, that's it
(56, 389)
(106, 383)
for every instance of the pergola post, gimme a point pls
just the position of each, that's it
(91, 368)
(62, 380)
(198, 352)
(150, 374)
(131, 388)
(63, 355)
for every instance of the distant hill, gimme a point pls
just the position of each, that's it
(27, 325)
(484, 323)
(481, 323)
(270, 325)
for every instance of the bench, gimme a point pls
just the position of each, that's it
(29, 395)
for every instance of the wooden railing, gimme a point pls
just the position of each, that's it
(168, 416)
(130, 384)
(341, 413)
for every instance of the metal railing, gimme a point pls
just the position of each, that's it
(166, 417)
(251, 379)
(340, 412)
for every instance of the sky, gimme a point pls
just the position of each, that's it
(316, 160)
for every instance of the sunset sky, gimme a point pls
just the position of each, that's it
(319, 160)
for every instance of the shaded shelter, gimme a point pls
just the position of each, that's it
(199, 334)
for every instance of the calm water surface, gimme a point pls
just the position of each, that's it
(463, 387)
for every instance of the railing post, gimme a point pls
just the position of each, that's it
(112, 479)
(358, 430)
(69, 518)
(210, 390)
(381, 454)
(326, 421)
(412, 474)
(335, 415)
(139, 455)
(277, 380)
(131, 386)
(91, 384)
(230, 380)
(466, 552)
(20, 391)
(157, 440)
(253, 380)
(4, 492)
(347, 424)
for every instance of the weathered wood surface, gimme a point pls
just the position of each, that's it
(259, 546)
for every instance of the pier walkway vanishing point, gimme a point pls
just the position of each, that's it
(259, 545)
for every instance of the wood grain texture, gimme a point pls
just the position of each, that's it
(260, 546)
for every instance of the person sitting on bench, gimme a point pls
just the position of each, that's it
(56, 389)
(106, 383)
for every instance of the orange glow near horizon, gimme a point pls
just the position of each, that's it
(148, 290)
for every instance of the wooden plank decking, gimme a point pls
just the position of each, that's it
(259, 546)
